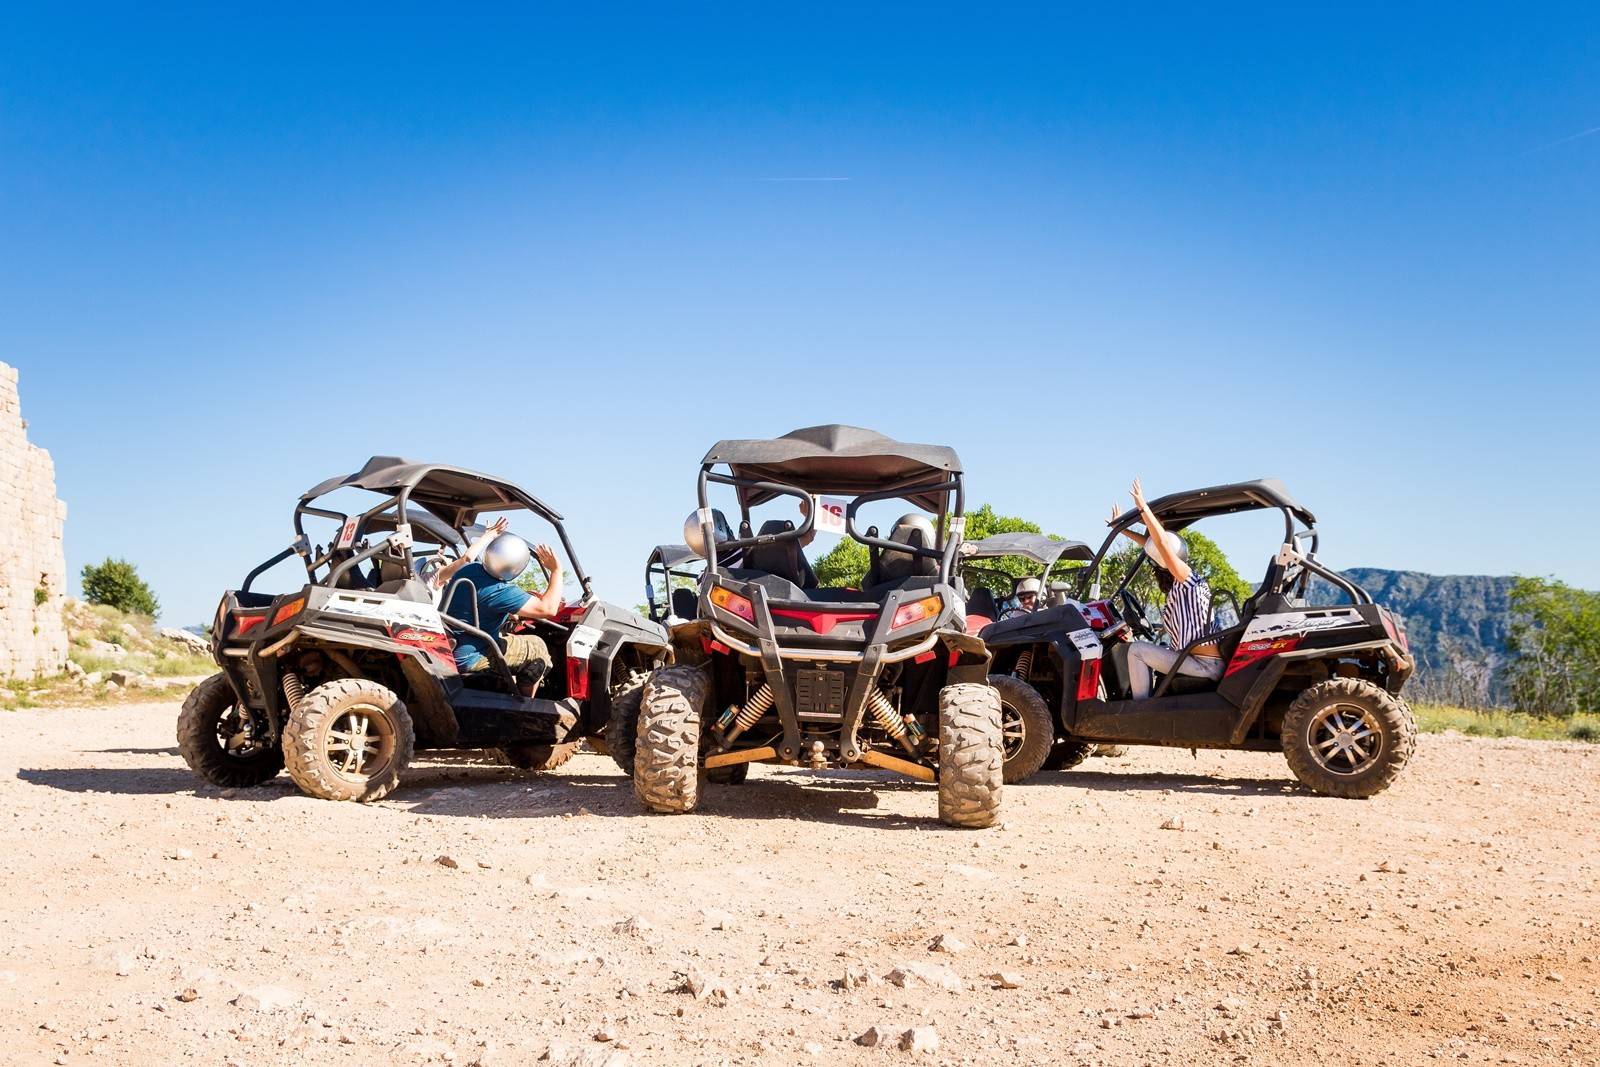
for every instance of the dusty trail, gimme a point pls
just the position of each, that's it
(147, 919)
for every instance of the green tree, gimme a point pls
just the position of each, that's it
(1554, 644)
(844, 566)
(116, 582)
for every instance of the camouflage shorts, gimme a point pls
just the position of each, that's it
(527, 656)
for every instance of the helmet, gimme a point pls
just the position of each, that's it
(693, 533)
(506, 557)
(1027, 585)
(1175, 545)
(906, 525)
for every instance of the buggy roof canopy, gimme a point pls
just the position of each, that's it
(1037, 547)
(1178, 510)
(426, 526)
(453, 493)
(670, 556)
(837, 459)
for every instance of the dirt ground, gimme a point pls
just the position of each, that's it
(148, 919)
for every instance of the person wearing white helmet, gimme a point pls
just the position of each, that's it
(1186, 615)
(1025, 597)
(490, 567)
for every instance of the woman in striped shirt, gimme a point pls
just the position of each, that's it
(1186, 614)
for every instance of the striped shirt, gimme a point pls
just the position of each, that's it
(1187, 614)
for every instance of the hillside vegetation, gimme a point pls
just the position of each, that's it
(115, 655)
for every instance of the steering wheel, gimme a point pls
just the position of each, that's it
(1133, 615)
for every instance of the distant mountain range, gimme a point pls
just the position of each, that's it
(1456, 624)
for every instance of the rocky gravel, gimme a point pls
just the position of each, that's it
(1162, 908)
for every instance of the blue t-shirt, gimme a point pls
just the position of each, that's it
(496, 600)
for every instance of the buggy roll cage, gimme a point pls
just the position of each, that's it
(945, 489)
(445, 495)
(1178, 511)
(670, 561)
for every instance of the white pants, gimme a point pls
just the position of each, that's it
(1144, 657)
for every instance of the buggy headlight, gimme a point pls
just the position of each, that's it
(733, 603)
(916, 611)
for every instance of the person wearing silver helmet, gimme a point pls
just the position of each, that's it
(491, 566)
(1186, 615)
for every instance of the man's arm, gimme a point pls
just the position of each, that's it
(548, 603)
(442, 577)
(1174, 566)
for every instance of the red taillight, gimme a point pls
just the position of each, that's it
(916, 611)
(577, 678)
(1089, 680)
(243, 624)
(733, 603)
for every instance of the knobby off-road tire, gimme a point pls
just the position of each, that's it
(1335, 713)
(537, 757)
(201, 726)
(666, 760)
(334, 709)
(622, 730)
(1065, 755)
(971, 756)
(1027, 728)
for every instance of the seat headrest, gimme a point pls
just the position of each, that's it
(685, 603)
(782, 558)
(913, 531)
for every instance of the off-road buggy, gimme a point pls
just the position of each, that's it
(343, 677)
(774, 669)
(1321, 683)
(1028, 725)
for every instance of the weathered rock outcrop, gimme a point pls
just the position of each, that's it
(33, 638)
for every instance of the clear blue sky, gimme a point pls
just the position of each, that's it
(1359, 250)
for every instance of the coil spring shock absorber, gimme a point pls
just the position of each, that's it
(1024, 664)
(903, 729)
(736, 721)
(293, 689)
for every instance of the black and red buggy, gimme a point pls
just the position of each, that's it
(344, 675)
(772, 668)
(1320, 682)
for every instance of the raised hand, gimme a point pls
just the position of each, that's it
(546, 557)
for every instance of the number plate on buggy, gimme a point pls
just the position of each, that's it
(819, 694)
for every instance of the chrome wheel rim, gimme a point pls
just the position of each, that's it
(1013, 731)
(1344, 739)
(358, 741)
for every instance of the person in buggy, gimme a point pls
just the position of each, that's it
(490, 566)
(1186, 615)
(1024, 598)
